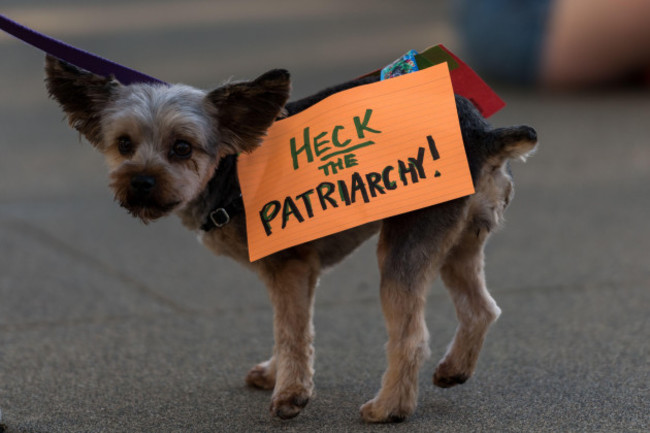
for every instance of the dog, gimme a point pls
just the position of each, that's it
(173, 150)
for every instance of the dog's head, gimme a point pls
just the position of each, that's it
(163, 143)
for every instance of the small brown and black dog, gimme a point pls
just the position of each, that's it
(173, 149)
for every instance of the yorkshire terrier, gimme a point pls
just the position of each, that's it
(173, 149)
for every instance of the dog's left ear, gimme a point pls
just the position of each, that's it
(244, 111)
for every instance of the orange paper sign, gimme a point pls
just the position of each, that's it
(358, 156)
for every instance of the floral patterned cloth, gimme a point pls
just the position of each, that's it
(404, 65)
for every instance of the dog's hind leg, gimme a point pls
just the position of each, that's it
(291, 283)
(463, 274)
(407, 347)
(410, 251)
(262, 376)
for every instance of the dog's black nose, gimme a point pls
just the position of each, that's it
(143, 183)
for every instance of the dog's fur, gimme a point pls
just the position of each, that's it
(172, 149)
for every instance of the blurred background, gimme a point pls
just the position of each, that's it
(108, 325)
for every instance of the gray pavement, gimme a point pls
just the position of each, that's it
(107, 325)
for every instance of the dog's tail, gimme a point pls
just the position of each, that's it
(482, 142)
(514, 142)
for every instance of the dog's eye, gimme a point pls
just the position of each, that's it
(181, 149)
(124, 145)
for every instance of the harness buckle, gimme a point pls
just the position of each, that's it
(219, 217)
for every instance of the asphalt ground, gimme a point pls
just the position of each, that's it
(107, 325)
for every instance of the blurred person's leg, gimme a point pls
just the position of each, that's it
(591, 42)
(556, 43)
(503, 39)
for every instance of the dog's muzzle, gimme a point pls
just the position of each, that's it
(142, 185)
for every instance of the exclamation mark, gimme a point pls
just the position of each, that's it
(432, 148)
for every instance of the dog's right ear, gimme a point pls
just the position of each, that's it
(81, 94)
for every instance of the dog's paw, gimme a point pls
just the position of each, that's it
(261, 376)
(288, 405)
(446, 375)
(376, 410)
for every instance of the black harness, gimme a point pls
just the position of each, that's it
(224, 207)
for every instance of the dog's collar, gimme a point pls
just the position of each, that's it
(222, 200)
(222, 215)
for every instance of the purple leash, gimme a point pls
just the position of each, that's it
(75, 56)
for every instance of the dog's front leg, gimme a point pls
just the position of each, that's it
(291, 285)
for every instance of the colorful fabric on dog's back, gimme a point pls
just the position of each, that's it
(358, 156)
(465, 81)
(404, 65)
